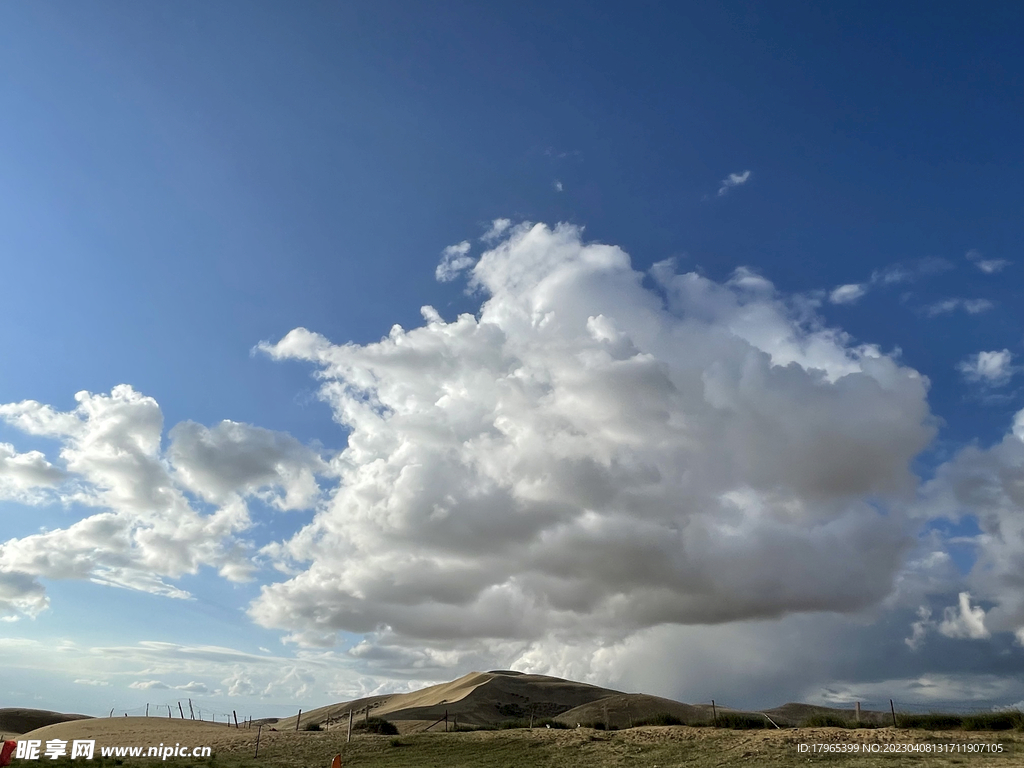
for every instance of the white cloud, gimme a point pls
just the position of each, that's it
(733, 180)
(454, 259)
(193, 687)
(239, 459)
(920, 628)
(97, 683)
(964, 621)
(147, 685)
(847, 294)
(988, 266)
(971, 306)
(583, 459)
(558, 186)
(145, 531)
(496, 230)
(27, 477)
(21, 595)
(891, 275)
(994, 368)
(977, 306)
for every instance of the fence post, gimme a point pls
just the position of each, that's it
(191, 712)
(893, 710)
(235, 716)
(297, 720)
(349, 737)
(111, 712)
(258, 732)
(147, 710)
(181, 711)
(714, 712)
(168, 711)
(856, 711)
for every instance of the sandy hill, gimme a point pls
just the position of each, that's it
(15, 721)
(479, 698)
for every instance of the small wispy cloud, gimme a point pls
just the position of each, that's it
(558, 186)
(895, 274)
(907, 273)
(970, 306)
(988, 266)
(147, 685)
(193, 687)
(733, 180)
(847, 294)
(454, 259)
(992, 368)
(496, 230)
(891, 275)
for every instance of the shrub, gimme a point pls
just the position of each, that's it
(741, 721)
(933, 721)
(827, 721)
(660, 718)
(376, 725)
(994, 721)
(311, 727)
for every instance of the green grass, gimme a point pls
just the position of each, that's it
(834, 721)
(576, 748)
(985, 721)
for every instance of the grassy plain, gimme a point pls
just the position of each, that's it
(664, 747)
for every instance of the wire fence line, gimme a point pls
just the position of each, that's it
(184, 709)
(868, 710)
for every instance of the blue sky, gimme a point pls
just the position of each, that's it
(181, 183)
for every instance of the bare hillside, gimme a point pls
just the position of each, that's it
(18, 720)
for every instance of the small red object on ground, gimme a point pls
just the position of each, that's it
(7, 751)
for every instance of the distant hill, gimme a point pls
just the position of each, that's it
(15, 721)
(482, 699)
(490, 698)
(477, 699)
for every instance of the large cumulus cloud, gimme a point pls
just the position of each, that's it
(597, 452)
